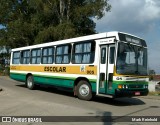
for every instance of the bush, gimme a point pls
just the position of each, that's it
(4, 70)
(150, 77)
(7, 70)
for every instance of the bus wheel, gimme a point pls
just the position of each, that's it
(83, 90)
(30, 82)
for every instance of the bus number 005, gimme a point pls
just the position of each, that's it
(90, 72)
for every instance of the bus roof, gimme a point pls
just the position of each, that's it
(77, 39)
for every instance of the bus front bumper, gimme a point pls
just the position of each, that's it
(130, 93)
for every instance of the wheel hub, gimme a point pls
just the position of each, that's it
(84, 90)
(29, 82)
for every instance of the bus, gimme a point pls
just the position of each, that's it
(112, 64)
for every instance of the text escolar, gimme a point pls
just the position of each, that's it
(55, 69)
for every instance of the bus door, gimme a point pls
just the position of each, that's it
(106, 68)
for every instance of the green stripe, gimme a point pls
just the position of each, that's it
(18, 77)
(51, 80)
(62, 77)
(56, 77)
(130, 82)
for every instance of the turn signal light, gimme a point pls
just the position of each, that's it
(120, 86)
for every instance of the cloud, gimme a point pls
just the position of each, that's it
(131, 16)
(138, 17)
(151, 10)
(154, 58)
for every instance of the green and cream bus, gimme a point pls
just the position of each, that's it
(110, 64)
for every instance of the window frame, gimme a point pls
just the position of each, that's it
(62, 55)
(112, 56)
(21, 59)
(47, 56)
(16, 57)
(92, 53)
(103, 61)
(31, 57)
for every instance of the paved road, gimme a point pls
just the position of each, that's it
(17, 100)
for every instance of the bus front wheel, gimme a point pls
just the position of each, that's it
(84, 90)
(30, 82)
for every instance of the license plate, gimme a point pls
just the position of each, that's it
(137, 93)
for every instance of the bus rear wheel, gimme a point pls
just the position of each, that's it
(83, 90)
(30, 82)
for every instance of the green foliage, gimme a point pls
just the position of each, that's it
(4, 70)
(29, 22)
(53, 33)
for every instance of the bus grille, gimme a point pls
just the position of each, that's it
(135, 86)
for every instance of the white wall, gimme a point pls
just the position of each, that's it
(151, 86)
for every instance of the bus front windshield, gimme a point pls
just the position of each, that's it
(131, 59)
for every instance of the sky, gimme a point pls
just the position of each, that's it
(137, 17)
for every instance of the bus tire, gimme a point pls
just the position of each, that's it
(83, 90)
(30, 82)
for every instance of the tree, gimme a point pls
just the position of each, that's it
(152, 72)
(15, 17)
(30, 22)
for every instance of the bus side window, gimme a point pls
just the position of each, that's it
(63, 54)
(16, 57)
(25, 57)
(111, 55)
(36, 56)
(48, 55)
(83, 53)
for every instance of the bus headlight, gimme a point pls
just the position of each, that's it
(145, 86)
(126, 86)
(123, 86)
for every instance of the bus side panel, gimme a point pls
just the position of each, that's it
(93, 85)
(61, 82)
(18, 77)
(51, 80)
